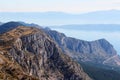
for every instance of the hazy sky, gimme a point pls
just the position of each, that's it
(70, 6)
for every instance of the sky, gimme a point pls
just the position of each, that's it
(68, 6)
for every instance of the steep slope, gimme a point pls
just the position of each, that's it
(37, 56)
(99, 51)
(11, 70)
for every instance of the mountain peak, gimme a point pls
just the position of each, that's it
(20, 31)
(9, 26)
(102, 39)
(107, 47)
(11, 36)
(12, 25)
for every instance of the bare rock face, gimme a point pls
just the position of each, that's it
(37, 56)
(99, 51)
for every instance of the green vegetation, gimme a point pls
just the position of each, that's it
(98, 73)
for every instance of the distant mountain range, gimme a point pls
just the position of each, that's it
(59, 18)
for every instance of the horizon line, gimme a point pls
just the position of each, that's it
(57, 11)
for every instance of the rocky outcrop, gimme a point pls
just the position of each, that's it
(38, 56)
(98, 51)
(11, 70)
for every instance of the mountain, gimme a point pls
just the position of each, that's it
(30, 25)
(99, 51)
(59, 18)
(98, 58)
(28, 53)
(9, 26)
(92, 32)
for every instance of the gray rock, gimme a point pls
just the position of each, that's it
(39, 56)
(86, 51)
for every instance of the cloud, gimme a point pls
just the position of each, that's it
(71, 6)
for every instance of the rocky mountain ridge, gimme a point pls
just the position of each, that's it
(99, 51)
(37, 57)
